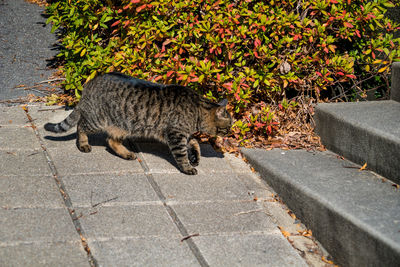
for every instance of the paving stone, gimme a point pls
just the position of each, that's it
(29, 192)
(201, 187)
(42, 114)
(126, 221)
(87, 190)
(23, 163)
(257, 188)
(237, 163)
(44, 254)
(160, 160)
(158, 157)
(71, 161)
(40, 224)
(13, 116)
(18, 138)
(147, 251)
(248, 250)
(224, 217)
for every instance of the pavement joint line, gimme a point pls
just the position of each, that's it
(193, 247)
(64, 193)
(18, 243)
(136, 237)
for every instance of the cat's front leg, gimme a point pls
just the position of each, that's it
(193, 152)
(178, 144)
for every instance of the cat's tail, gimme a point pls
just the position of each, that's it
(65, 125)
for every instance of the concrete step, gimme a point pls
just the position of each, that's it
(363, 132)
(395, 88)
(354, 214)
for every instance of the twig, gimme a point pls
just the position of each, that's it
(105, 201)
(50, 109)
(189, 236)
(51, 80)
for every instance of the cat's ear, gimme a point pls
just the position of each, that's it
(223, 102)
(221, 110)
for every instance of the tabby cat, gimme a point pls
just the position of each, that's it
(123, 106)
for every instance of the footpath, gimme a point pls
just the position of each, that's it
(61, 207)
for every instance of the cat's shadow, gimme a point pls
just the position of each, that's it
(138, 145)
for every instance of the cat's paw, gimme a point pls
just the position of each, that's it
(193, 159)
(130, 156)
(85, 148)
(191, 171)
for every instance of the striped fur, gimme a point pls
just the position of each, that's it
(65, 125)
(125, 107)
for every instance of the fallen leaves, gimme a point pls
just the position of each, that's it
(284, 233)
(325, 260)
(363, 167)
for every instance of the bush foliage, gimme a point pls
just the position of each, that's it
(258, 54)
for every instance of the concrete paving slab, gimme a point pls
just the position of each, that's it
(237, 164)
(42, 114)
(23, 163)
(13, 116)
(29, 192)
(18, 138)
(126, 221)
(124, 189)
(224, 217)
(354, 214)
(248, 250)
(70, 161)
(39, 224)
(210, 187)
(160, 160)
(145, 251)
(44, 254)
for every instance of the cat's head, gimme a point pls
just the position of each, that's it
(219, 121)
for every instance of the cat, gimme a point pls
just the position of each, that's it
(126, 107)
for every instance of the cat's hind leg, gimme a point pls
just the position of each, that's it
(193, 152)
(116, 136)
(82, 140)
(178, 144)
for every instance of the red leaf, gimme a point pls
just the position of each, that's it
(340, 73)
(115, 23)
(140, 8)
(334, 1)
(135, 1)
(351, 76)
(228, 86)
(348, 25)
(257, 42)
(169, 73)
(318, 73)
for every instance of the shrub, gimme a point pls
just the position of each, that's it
(255, 53)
